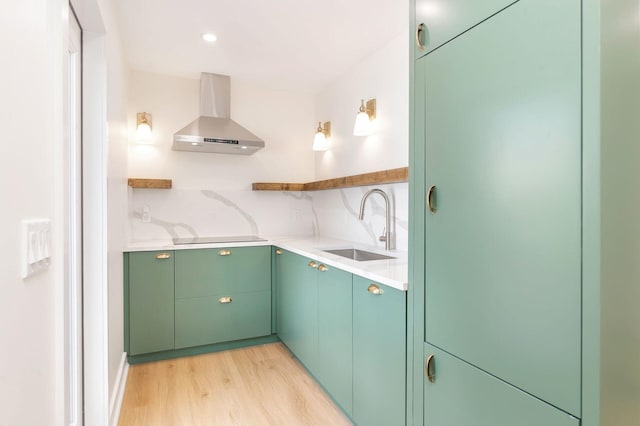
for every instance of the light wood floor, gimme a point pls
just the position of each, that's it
(259, 385)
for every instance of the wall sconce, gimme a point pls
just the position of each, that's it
(320, 142)
(143, 127)
(366, 114)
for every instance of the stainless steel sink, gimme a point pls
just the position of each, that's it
(359, 255)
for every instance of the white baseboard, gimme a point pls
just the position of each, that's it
(117, 394)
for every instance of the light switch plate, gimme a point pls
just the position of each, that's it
(36, 246)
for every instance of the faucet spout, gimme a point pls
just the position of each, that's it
(386, 237)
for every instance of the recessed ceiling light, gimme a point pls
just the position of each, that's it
(209, 37)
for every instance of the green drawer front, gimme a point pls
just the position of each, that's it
(463, 395)
(206, 272)
(205, 320)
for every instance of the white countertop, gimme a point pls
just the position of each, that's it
(390, 272)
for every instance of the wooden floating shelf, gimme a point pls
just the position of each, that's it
(365, 179)
(150, 183)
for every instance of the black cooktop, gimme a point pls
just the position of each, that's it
(212, 240)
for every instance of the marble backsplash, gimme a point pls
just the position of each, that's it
(211, 212)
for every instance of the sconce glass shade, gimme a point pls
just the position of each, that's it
(143, 133)
(320, 142)
(366, 114)
(363, 125)
(143, 127)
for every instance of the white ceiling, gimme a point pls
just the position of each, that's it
(297, 45)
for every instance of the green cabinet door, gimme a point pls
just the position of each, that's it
(335, 334)
(503, 150)
(298, 307)
(151, 309)
(206, 272)
(379, 350)
(442, 20)
(463, 395)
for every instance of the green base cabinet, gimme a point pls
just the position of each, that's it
(222, 295)
(297, 307)
(335, 335)
(150, 296)
(352, 340)
(198, 297)
(379, 351)
(463, 395)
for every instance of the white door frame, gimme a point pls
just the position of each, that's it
(94, 214)
(73, 229)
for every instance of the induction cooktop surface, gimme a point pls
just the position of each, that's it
(213, 240)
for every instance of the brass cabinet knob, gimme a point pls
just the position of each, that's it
(225, 300)
(224, 253)
(278, 251)
(322, 268)
(163, 256)
(374, 289)
(430, 368)
(313, 264)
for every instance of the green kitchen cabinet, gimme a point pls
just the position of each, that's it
(438, 21)
(222, 295)
(462, 395)
(297, 307)
(150, 301)
(335, 334)
(499, 115)
(379, 351)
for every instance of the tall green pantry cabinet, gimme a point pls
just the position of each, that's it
(524, 177)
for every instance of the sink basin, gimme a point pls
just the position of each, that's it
(359, 255)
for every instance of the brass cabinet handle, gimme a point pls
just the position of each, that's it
(225, 300)
(163, 256)
(224, 253)
(430, 368)
(432, 207)
(374, 289)
(278, 251)
(322, 268)
(419, 30)
(313, 264)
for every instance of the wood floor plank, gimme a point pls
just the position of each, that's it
(258, 385)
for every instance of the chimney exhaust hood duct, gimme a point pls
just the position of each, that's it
(214, 131)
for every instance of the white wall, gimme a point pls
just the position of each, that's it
(32, 42)
(283, 120)
(211, 193)
(384, 76)
(117, 156)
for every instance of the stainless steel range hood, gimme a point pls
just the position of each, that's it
(214, 131)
